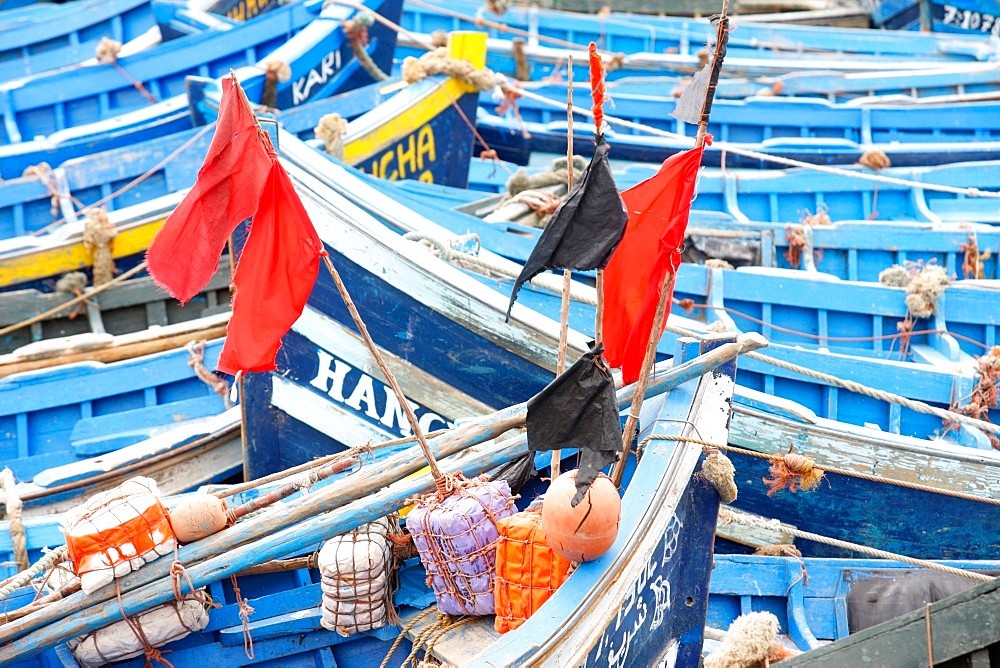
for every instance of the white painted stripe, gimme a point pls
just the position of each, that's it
(324, 416)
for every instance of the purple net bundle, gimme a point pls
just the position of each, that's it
(456, 538)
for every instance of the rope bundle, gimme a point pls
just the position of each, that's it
(437, 62)
(98, 233)
(793, 472)
(331, 129)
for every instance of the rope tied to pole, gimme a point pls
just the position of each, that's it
(356, 30)
(98, 234)
(15, 523)
(730, 516)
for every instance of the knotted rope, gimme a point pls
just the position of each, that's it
(985, 395)
(15, 523)
(972, 258)
(196, 357)
(43, 172)
(439, 62)
(24, 577)
(107, 54)
(793, 472)
(274, 71)
(331, 129)
(356, 30)
(924, 286)
(719, 470)
(98, 233)
(245, 611)
(402, 634)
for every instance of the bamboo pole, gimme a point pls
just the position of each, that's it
(556, 455)
(662, 308)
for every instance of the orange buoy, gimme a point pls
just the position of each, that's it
(587, 531)
(198, 517)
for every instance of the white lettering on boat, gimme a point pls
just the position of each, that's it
(971, 20)
(414, 154)
(318, 75)
(651, 579)
(334, 376)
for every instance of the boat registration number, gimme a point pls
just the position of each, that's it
(971, 20)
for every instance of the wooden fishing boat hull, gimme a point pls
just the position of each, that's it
(50, 36)
(655, 576)
(821, 600)
(179, 459)
(823, 416)
(320, 67)
(966, 17)
(64, 414)
(779, 218)
(623, 33)
(517, 141)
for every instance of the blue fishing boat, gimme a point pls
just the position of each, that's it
(846, 225)
(836, 426)
(622, 33)
(410, 133)
(817, 601)
(965, 17)
(320, 56)
(806, 130)
(60, 415)
(180, 458)
(50, 36)
(656, 572)
(33, 317)
(959, 81)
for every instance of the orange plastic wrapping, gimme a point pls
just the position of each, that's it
(117, 531)
(528, 571)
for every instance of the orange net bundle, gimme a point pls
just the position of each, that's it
(116, 532)
(528, 571)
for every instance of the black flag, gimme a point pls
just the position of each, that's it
(585, 229)
(579, 409)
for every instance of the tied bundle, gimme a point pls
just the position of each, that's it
(140, 633)
(356, 571)
(455, 533)
(528, 571)
(116, 532)
(598, 89)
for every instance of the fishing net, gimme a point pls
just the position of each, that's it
(528, 572)
(116, 532)
(140, 633)
(357, 570)
(455, 533)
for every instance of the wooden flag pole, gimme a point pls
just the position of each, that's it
(554, 464)
(411, 417)
(662, 308)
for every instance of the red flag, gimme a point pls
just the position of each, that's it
(275, 275)
(185, 252)
(658, 211)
